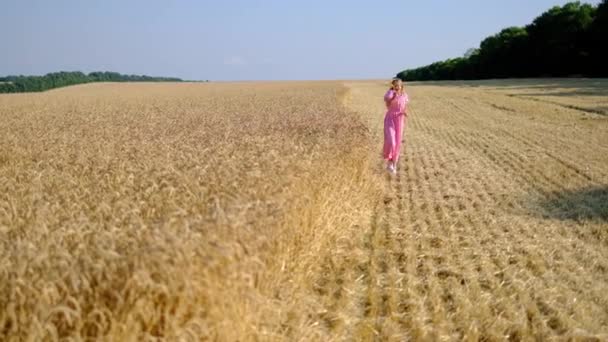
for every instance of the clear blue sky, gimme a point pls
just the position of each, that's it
(249, 40)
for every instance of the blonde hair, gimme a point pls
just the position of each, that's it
(398, 81)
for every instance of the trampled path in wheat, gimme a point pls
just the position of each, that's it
(494, 227)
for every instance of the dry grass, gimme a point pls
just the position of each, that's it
(261, 212)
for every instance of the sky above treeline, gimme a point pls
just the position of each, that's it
(249, 40)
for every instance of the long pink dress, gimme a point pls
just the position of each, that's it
(394, 122)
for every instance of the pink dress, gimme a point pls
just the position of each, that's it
(394, 122)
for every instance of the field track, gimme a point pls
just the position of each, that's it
(495, 227)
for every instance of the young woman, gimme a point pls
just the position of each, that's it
(396, 101)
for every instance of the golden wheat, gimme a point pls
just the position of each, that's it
(179, 211)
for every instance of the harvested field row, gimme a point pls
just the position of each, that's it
(492, 229)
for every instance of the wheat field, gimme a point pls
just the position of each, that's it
(261, 211)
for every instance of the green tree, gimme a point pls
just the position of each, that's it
(503, 54)
(598, 33)
(12, 84)
(558, 38)
(563, 41)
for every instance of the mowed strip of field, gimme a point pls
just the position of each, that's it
(174, 211)
(494, 228)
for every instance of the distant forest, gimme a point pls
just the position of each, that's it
(571, 40)
(20, 84)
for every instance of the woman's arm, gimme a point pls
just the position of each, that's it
(389, 96)
(406, 101)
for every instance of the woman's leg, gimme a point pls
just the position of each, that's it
(402, 125)
(389, 139)
(398, 122)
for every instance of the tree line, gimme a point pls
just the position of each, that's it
(564, 41)
(19, 84)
